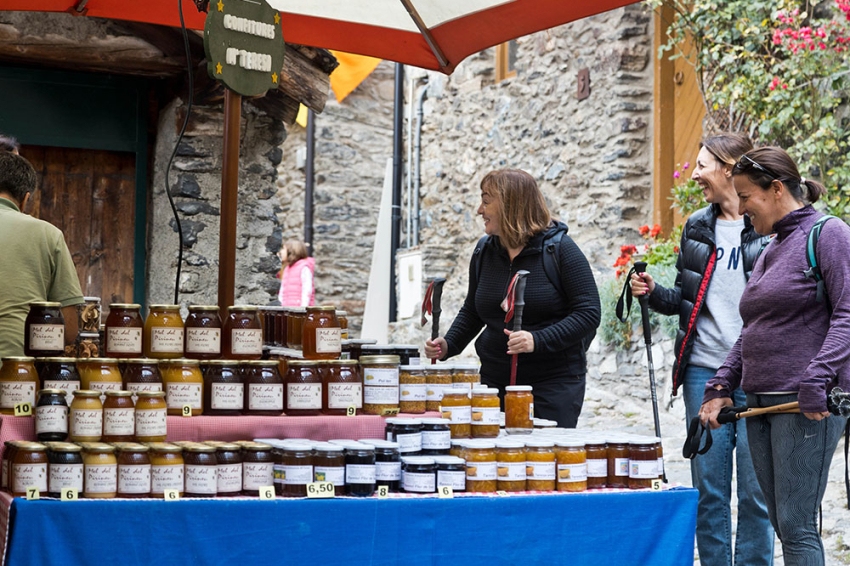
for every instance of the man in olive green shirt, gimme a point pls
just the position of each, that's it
(35, 264)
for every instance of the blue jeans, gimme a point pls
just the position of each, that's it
(711, 474)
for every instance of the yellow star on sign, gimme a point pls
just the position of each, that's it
(220, 6)
(218, 68)
(276, 18)
(274, 78)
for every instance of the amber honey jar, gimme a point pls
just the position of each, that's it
(51, 415)
(224, 391)
(380, 384)
(519, 409)
(167, 468)
(485, 412)
(643, 462)
(481, 468)
(101, 471)
(342, 318)
(342, 386)
(85, 417)
(28, 468)
(134, 470)
(18, 383)
(183, 384)
(457, 407)
(242, 334)
(119, 417)
(65, 468)
(437, 378)
(412, 389)
(59, 373)
(201, 470)
(572, 465)
(100, 374)
(597, 462)
(264, 388)
(44, 330)
(150, 416)
(140, 374)
(320, 334)
(229, 469)
(124, 331)
(303, 388)
(202, 336)
(540, 465)
(510, 464)
(294, 327)
(257, 467)
(163, 337)
(618, 461)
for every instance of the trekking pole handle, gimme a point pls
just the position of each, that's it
(640, 267)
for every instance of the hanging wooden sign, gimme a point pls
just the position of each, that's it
(244, 45)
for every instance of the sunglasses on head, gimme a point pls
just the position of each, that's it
(747, 162)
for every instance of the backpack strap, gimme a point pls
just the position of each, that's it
(478, 257)
(552, 260)
(814, 272)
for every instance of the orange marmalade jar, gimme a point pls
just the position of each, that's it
(519, 409)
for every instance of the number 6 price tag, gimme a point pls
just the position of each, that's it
(69, 494)
(320, 490)
(267, 492)
(445, 492)
(171, 494)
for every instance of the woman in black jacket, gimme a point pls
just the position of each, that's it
(559, 318)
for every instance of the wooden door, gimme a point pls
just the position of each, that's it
(90, 196)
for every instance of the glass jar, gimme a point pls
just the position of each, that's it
(437, 378)
(303, 388)
(163, 338)
(184, 385)
(9, 448)
(597, 462)
(295, 326)
(360, 472)
(408, 354)
(264, 388)
(242, 334)
(485, 412)
(408, 434)
(65, 463)
(257, 467)
(18, 383)
(87, 345)
(229, 469)
(451, 472)
(329, 465)
(540, 464)
(380, 384)
(167, 468)
(134, 470)
(28, 468)
(59, 373)
(572, 465)
(224, 391)
(85, 417)
(436, 437)
(101, 471)
(618, 462)
(140, 374)
(466, 374)
(342, 318)
(352, 349)
(51, 415)
(481, 476)
(419, 474)
(119, 417)
(320, 337)
(88, 315)
(296, 469)
(150, 416)
(124, 330)
(202, 333)
(342, 386)
(457, 407)
(643, 462)
(100, 374)
(519, 409)
(44, 330)
(201, 470)
(510, 461)
(412, 389)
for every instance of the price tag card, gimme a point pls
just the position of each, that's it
(656, 485)
(171, 494)
(69, 494)
(389, 412)
(383, 491)
(351, 411)
(23, 410)
(186, 411)
(267, 492)
(445, 492)
(502, 493)
(320, 490)
(33, 493)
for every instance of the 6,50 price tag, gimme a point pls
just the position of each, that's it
(320, 490)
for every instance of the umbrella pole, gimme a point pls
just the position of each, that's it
(229, 192)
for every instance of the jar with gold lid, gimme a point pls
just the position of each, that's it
(65, 468)
(242, 334)
(303, 388)
(59, 373)
(140, 374)
(380, 384)
(519, 409)
(481, 468)
(202, 333)
(166, 468)
(224, 391)
(342, 386)
(295, 317)
(257, 467)
(485, 416)
(85, 417)
(183, 384)
(229, 469)
(124, 331)
(320, 337)
(134, 470)
(44, 330)
(163, 338)
(263, 388)
(101, 470)
(18, 383)
(119, 418)
(540, 464)
(437, 378)
(510, 462)
(150, 416)
(201, 470)
(28, 468)
(412, 389)
(51, 415)
(457, 407)
(572, 465)
(100, 374)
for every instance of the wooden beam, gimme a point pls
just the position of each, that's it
(664, 120)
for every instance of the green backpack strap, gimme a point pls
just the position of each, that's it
(814, 272)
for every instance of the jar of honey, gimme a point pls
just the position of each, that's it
(618, 461)
(457, 407)
(100, 374)
(342, 318)
(329, 465)
(202, 333)
(101, 471)
(229, 469)
(124, 330)
(643, 462)
(303, 388)
(296, 468)
(295, 326)
(184, 385)
(51, 415)
(65, 468)
(264, 388)
(201, 470)
(119, 417)
(85, 417)
(224, 391)
(519, 409)
(485, 412)
(510, 463)
(44, 330)
(481, 471)
(540, 464)
(163, 338)
(59, 373)
(28, 468)
(342, 386)
(150, 416)
(380, 384)
(18, 383)
(412, 389)
(572, 465)
(320, 335)
(140, 374)
(257, 467)
(437, 378)
(597, 462)
(242, 334)
(167, 468)
(134, 470)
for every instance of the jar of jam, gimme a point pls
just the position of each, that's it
(224, 392)
(85, 417)
(18, 383)
(297, 468)
(303, 388)
(59, 373)
(380, 384)
(597, 462)
(412, 389)
(457, 407)
(264, 388)
(201, 470)
(519, 409)
(100, 374)
(163, 338)
(618, 461)
(9, 448)
(150, 416)
(510, 461)
(51, 415)
(101, 471)
(466, 374)
(408, 354)
(436, 437)
(44, 330)
(451, 472)
(329, 465)
(387, 463)
(352, 349)
(481, 476)
(320, 337)
(229, 469)
(572, 465)
(184, 385)
(202, 333)
(242, 334)
(28, 468)
(65, 468)
(419, 474)
(540, 464)
(408, 434)
(134, 470)
(257, 467)
(124, 330)
(485, 412)
(140, 374)
(437, 378)
(119, 417)
(167, 468)
(342, 318)
(294, 327)
(360, 472)
(342, 386)
(643, 462)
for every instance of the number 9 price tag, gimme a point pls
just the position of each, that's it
(267, 492)
(186, 411)
(69, 494)
(171, 494)
(351, 411)
(445, 492)
(23, 410)
(320, 490)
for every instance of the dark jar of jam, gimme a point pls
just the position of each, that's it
(296, 468)
(388, 465)
(203, 333)
(242, 334)
(436, 437)
(451, 472)
(342, 387)
(59, 373)
(263, 388)
(65, 468)
(229, 469)
(257, 467)
(51, 415)
(124, 330)
(303, 388)
(329, 465)
(140, 374)
(44, 330)
(201, 470)
(134, 470)
(360, 475)
(420, 474)
(224, 392)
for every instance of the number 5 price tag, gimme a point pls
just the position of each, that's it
(656, 485)
(320, 490)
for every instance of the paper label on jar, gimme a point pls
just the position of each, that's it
(387, 471)
(101, 479)
(335, 475)
(86, 422)
(621, 467)
(458, 415)
(412, 392)
(643, 469)
(47, 337)
(597, 468)
(203, 340)
(360, 473)
(136, 387)
(511, 471)
(297, 475)
(134, 479)
(419, 483)
(485, 416)
(228, 396)
(540, 470)
(67, 386)
(328, 340)
(179, 394)
(380, 395)
(246, 341)
(167, 340)
(166, 477)
(29, 475)
(257, 474)
(436, 439)
(119, 421)
(14, 392)
(414, 361)
(269, 397)
(409, 442)
(105, 386)
(229, 477)
(344, 395)
(65, 475)
(482, 471)
(531, 411)
(453, 479)
(380, 376)
(571, 472)
(124, 340)
(51, 418)
(202, 479)
(434, 391)
(303, 395)
(151, 422)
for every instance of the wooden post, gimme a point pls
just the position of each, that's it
(229, 192)
(664, 118)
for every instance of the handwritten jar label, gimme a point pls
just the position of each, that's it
(119, 422)
(134, 479)
(166, 477)
(344, 395)
(227, 396)
(203, 340)
(179, 394)
(151, 422)
(14, 392)
(64, 476)
(304, 396)
(51, 418)
(267, 397)
(47, 337)
(102, 479)
(124, 340)
(29, 475)
(166, 340)
(86, 422)
(246, 341)
(201, 480)
(257, 474)
(229, 478)
(328, 341)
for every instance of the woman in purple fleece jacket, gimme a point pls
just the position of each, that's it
(791, 348)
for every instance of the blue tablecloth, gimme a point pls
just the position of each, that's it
(594, 528)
